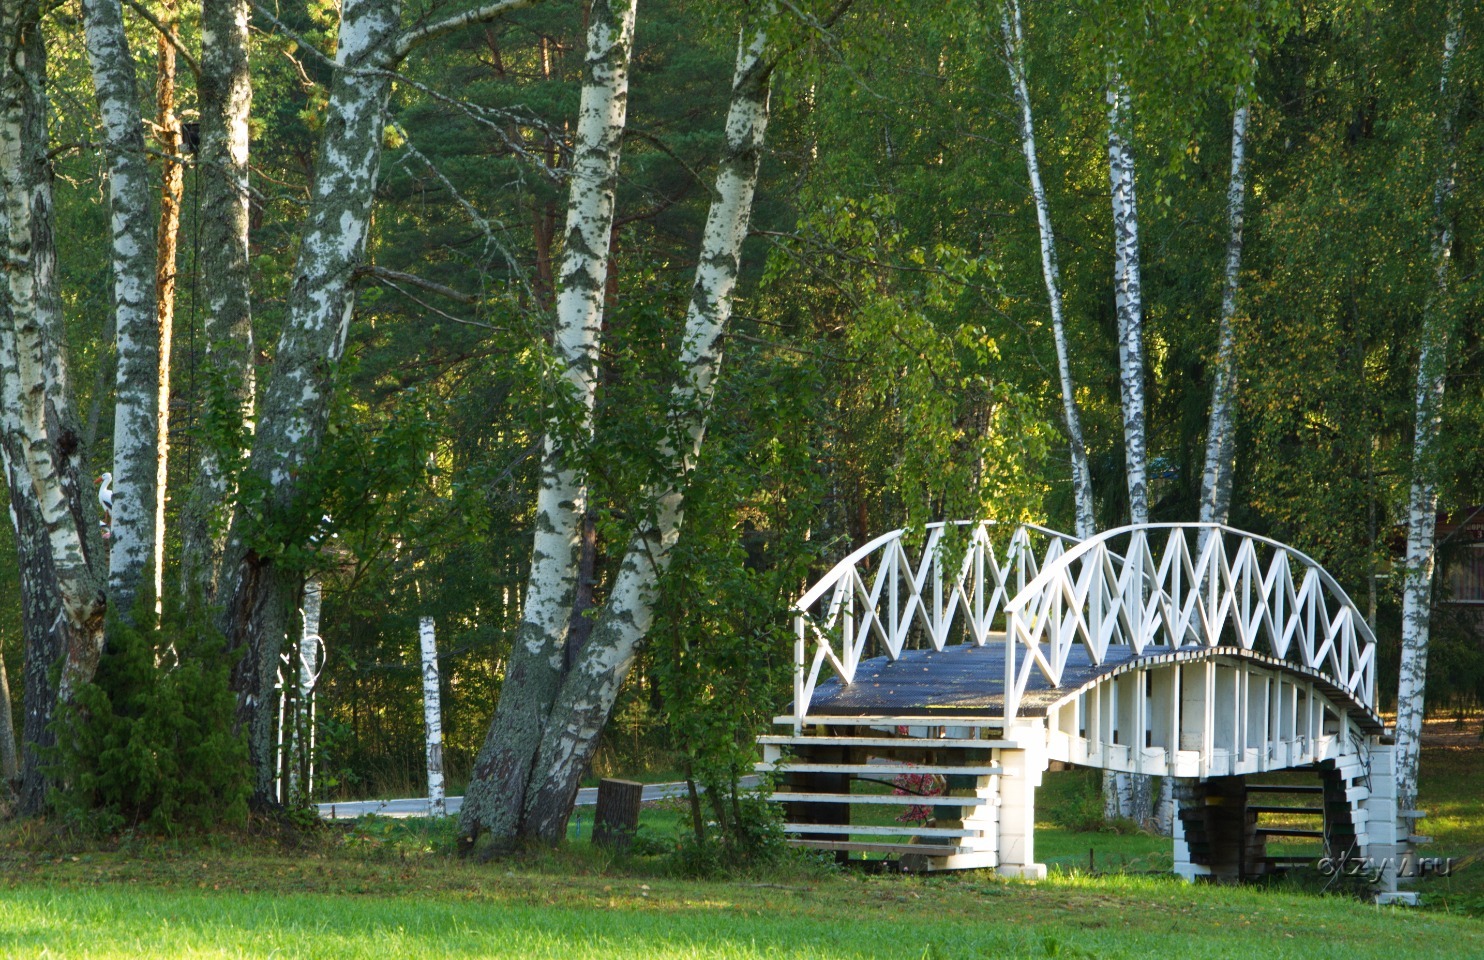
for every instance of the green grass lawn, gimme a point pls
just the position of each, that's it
(389, 889)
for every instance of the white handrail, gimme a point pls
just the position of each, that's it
(1089, 595)
(1080, 591)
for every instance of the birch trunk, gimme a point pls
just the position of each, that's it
(225, 92)
(1422, 512)
(261, 595)
(1221, 428)
(432, 717)
(1128, 795)
(1129, 298)
(61, 558)
(590, 689)
(136, 406)
(9, 759)
(1014, 40)
(533, 676)
(301, 743)
(172, 186)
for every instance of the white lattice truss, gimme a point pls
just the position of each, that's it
(1228, 588)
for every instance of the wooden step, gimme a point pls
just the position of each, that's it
(1284, 788)
(900, 849)
(1307, 811)
(1288, 832)
(897, 742)
(905, 830)
(900, 800)
(875, 769)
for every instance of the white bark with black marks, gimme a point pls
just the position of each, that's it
(591, 688)
(432, 716)
(1422, 506)
(1221, 426)
(1014, 42)
(260, 595)
(132, 248)
(60, 556)
(1128, 296)
(493, 801)
(225, 93)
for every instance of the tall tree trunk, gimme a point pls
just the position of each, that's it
(590, 689)
(1014, 39)
(60, 554)
(225, 91)
(1422, 512)
(133, 531)
(493, 800)
(1128, 795)
(260, 594)
(1221, 428)
(1129, 297)
(172, 186)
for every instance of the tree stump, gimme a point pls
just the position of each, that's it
(617, 815)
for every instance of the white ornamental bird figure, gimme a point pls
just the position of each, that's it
(105, 500)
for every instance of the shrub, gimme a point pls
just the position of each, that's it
(149, 742)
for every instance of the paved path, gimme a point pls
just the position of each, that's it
(418, 806)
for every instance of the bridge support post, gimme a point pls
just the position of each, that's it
(1024, 766)
(1387, 849)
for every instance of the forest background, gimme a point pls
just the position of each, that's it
(890, 357)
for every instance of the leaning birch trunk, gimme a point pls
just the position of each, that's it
(133, 531)
(432, 716)
(260, 596)
(534, 673)
(1014, 38)
(1127, 795)
(1221, 428)
(61, 557)
(225, 91)
(1422, 509)
(590, 689)
(172, 187)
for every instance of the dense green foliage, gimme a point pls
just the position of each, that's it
(149, 743)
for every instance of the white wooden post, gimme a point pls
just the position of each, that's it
(302, 730)
(432, 717)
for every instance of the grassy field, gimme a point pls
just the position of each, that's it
(390, 889)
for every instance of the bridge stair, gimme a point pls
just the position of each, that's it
(846, 785)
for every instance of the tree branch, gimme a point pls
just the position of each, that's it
(417, 35)
(170, 36)
(382, 273)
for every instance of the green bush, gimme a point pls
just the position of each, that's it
(149, 742)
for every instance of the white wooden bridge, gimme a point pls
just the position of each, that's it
(988, 652)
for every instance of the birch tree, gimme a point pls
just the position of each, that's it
(1128, 296)
(133, 240)
(1127, 795)
(259, 592)
(1014, 44)
(60, 555)
(587, 694)
(1432, 368)
(225, 92)
(494, 799)
(172, 188)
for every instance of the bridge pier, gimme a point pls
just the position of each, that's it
(1024, 768)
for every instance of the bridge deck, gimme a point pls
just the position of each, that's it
(969, 681)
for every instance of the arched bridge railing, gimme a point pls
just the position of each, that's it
(1168, 586)
(886, 597)
(1206, 586)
